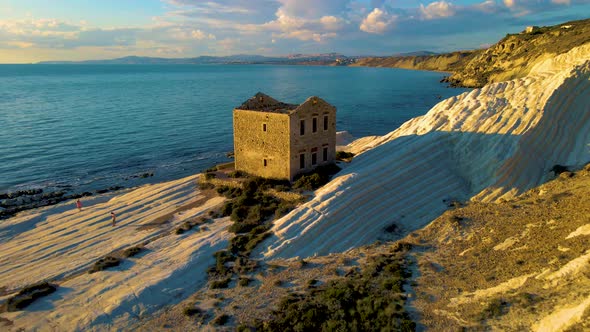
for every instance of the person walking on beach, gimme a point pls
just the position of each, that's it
(114, 218)
(79, 204)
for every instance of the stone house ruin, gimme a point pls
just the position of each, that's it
(276, 140)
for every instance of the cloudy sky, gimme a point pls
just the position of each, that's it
(36, 30)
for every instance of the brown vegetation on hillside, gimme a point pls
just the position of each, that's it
(512, 57)
(519, 265)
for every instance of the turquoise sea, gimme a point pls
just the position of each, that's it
(88, 127)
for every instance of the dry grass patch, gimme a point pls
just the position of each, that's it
(488, 265)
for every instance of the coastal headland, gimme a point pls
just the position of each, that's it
(471, 216)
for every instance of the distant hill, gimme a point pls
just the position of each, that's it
(320, 59)
(421, 60)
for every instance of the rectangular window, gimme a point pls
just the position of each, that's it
(325, 122)
(264, 162)
(264, 127)
(325, 154)
(314, 158)
(314, 125)
(302, 161)
(302, 127)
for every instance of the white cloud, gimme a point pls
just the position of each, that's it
(291, 27)
(200, 35)
(378, 21)
(331, 23)
(438, 9)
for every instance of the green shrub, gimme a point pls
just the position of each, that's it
(301, 263)
(179, 231)
(221, 258)
(132, 251)
(233, 192)
(227, 209)
(240, 227)
(222, 189)
(206, 185)
(259, 229)
(104, 263)
(243, 244)
(244, 281)
(317, 178)
(244, 265)
(308, 182)
(221, 320)
(254, 241)
(494, 309)
(360, 302)
(209, 176)
(221, 283)
(341, 155)
(28, 295)
(237, 174)
(239, 212)
(192, 311)
(245, 328)
(282, 209)
(401, 246)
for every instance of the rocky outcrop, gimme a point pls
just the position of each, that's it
(510, 58)
(514, 55)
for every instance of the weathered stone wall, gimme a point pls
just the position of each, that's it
(312, 142)
(253, 145)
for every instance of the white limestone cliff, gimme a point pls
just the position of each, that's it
(488, 144)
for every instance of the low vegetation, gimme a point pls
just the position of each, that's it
(371, 299)
(192, 311)
(188, 225)
(132, 251)
(104, 263)
(28, 295)
(343, 155)
(221, 319)
(494, 309)
(253, 203)
(221, 283)
(317, 178)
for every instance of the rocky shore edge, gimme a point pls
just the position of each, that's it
(14, 202)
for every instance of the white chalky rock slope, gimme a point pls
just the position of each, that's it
(59, 243)
(487, 144)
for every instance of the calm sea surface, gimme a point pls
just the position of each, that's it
(91, 127)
